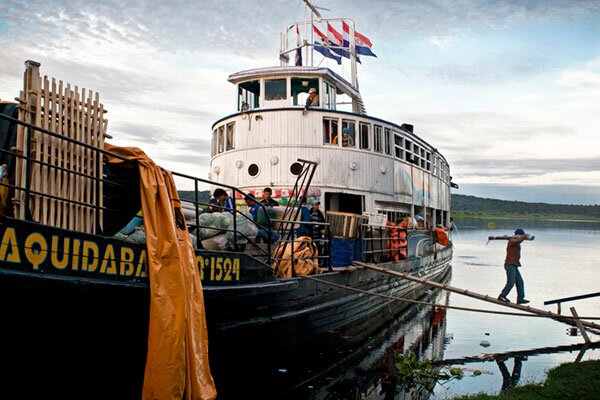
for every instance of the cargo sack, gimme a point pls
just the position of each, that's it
(246, 229)
(213, 224)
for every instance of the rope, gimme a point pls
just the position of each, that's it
(426, 303)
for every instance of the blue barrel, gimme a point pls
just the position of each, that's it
(342, 252)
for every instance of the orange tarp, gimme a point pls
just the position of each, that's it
(304, 256)
(177, 362)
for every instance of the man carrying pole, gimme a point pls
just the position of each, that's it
(512, 264)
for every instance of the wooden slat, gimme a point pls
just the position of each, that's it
(71, 186)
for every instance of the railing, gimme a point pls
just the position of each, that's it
(558, 302)
(236, 193)
(71, 173)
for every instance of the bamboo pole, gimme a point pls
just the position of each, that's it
(580, 326)
(478, 296)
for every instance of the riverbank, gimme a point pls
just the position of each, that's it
(567, 381)
(533, 217)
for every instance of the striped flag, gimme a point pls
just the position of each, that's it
(322, 46)
(363, 44)
(299, 49)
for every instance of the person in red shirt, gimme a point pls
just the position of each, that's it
(511, 266)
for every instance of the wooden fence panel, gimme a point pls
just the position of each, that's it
(71, 114)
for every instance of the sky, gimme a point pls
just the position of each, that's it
(507, 91)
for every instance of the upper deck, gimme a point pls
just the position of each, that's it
(258, 145)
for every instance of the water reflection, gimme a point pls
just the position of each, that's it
(363, 371)
(510, 380)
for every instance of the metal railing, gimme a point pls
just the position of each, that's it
(236, 193)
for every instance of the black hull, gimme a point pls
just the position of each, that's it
(78, 331)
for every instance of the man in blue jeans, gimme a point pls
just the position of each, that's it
(511, 266)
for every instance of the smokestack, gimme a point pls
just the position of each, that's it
(407, 127)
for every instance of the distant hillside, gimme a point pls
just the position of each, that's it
(203, 196)
(477, 206)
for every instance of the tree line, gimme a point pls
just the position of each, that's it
(478, 205)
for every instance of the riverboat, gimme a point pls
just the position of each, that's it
(75, 293)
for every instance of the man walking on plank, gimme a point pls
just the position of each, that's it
(511, 266)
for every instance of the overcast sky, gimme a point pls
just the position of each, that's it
(508, 91)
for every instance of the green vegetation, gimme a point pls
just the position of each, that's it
(568, 381)
(203, 196)
(477, 207)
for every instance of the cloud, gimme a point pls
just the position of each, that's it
(442, 41)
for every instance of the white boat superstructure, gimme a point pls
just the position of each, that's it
(366, 164)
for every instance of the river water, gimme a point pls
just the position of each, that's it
(562, 261)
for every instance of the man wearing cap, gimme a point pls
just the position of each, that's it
(511, 266)
(312, 100)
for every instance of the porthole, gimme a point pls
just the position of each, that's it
(253, 170)
(296, 168)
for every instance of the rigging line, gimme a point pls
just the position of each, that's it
(426, 303)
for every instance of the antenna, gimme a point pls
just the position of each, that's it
(314, 10)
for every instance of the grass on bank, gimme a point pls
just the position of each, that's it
(567, 381)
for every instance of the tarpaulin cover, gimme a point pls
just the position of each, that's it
(304, 254)
(177, 362)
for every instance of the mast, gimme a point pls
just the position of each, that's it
(313, 12)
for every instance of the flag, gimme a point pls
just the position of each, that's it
(322, 46)
(299, 48)
(363, 44)
(335, 39)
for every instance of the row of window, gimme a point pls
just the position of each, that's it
(222, 139)
(381, 142)
(249, 92)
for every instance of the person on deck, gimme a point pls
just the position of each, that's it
(312, 100)
(225, 201)
(316, 216)
(254, 209)
(304, 229)
(346, 138)
(267, 199)
(511, 266)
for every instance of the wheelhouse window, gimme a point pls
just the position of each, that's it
(364, 136)
(213, 146)
(398, 146)
(275, 89)
(229, 138)
(248, 93)
(329, 99)
(348, 133)
(300, 88)
(386, 141)
(221, 141)
(408, 149)
(377, 139)
(330, 130)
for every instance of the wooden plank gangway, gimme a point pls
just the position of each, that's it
(484, 297)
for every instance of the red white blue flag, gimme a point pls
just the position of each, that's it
(363, 44)
(337, 42)
(299, 48)
(322, 46)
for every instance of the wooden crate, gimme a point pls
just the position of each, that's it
(345, 225)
